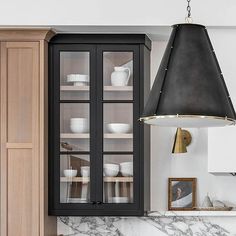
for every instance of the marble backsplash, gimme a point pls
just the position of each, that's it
(147, 226)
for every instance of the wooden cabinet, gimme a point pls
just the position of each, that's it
(221, 149)
(24, 158)
(98, 87)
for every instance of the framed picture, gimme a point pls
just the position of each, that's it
(181, 194)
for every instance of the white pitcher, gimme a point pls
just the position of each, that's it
(120, 76)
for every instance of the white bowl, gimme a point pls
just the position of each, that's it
(70, 173)
(120, 128)
(126, 168)
(78, 120)
(85, 171)
(79, 125)
(111, 170)
(79, 128)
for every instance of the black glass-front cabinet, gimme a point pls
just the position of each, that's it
(98, 150)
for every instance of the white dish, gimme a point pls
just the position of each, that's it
(70, 173)
(85, 171)
(76, 200)
(79, 125)
(120, 128)
(80, 83)
(77, 78)
(111, 170)
(118, 200)
(126, 168)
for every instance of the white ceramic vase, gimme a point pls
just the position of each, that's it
(120, 76)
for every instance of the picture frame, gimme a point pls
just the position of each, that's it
(181, 194)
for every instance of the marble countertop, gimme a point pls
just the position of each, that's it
(192, 213)
(151, 226)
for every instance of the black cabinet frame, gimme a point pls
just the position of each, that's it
(140, 45)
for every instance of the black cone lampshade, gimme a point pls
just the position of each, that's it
(189, 89)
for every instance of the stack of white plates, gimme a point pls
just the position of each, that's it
(118, 200)
(77, 200)
(78, 79)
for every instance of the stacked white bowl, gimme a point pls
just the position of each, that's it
(79, 125)
(126, 168)
(111, 170)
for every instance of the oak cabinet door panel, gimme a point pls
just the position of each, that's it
(20, 138)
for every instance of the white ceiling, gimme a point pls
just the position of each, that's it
(155, 33)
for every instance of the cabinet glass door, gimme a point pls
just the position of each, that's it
(74, 75)
(118, 178)
(75, 127)
(118, 80)
(75, 181)
(118, 75)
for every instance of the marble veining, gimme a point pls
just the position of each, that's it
(142, 226)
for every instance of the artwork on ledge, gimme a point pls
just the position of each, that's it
(181, 194)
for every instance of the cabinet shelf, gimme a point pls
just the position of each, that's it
(72, 135)
(106, 179)
(117, 136)
(118, 88)
(106, 88)
(74, 88)
(86, 136)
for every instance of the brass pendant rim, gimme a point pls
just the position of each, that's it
(187, 116)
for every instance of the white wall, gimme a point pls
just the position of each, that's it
(193, 163)
(122, 12)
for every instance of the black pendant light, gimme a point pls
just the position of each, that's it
(189, 89)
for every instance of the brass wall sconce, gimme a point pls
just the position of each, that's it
(182, 139)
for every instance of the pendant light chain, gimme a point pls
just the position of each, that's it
(189, 8)
(188, 18)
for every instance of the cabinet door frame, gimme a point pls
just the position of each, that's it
(126, 208)
(55, 207)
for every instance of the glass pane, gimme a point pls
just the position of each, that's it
(118, 127)
(75, 179)
(74, 75)
(118, 75)
(74, 127)
(118, 178)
